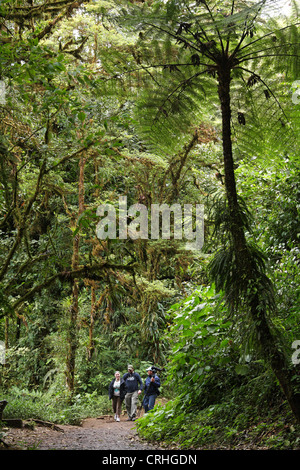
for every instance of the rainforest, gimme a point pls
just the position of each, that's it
(149, 216)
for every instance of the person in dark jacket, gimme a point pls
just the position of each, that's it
(151, 388)
(116, 393)
(134, 386)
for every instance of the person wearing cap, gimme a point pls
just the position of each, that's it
(151, 388)
(134, 386)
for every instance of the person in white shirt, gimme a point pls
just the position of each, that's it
(116, 393)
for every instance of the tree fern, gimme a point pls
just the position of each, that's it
(178, 69)
(231, 55)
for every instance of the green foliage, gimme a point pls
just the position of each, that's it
(275, 190)
(201, 347)
(190, 44)
(246, 416)
(54, 407)
(277, 185)
(200, 416)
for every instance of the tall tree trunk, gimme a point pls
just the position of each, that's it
(91, 346)
(245, 262)
(72, 331)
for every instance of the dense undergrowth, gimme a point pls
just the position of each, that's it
(216, 394)
(223, 394)
(234, 423)
(25, 404)
(237, 422)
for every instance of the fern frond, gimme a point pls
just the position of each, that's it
(179, 50)
(219, 213)
(178, 105)
(239, 287)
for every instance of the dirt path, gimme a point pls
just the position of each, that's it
(101, 433)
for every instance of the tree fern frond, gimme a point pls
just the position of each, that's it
(229, 277)
(164, 115)
(184, 56)
(219, 213)
(268, 120)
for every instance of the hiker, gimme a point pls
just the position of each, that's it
(151, 387)
(116, 393)
(134, 386)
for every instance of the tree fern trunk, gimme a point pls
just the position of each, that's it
(244, 261)
(274, 356)
(237, 232)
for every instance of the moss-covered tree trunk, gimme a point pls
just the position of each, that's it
(91, 345)
(73, 324)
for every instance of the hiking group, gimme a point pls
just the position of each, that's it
(129, 387)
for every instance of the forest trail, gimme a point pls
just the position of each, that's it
(102, 433)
